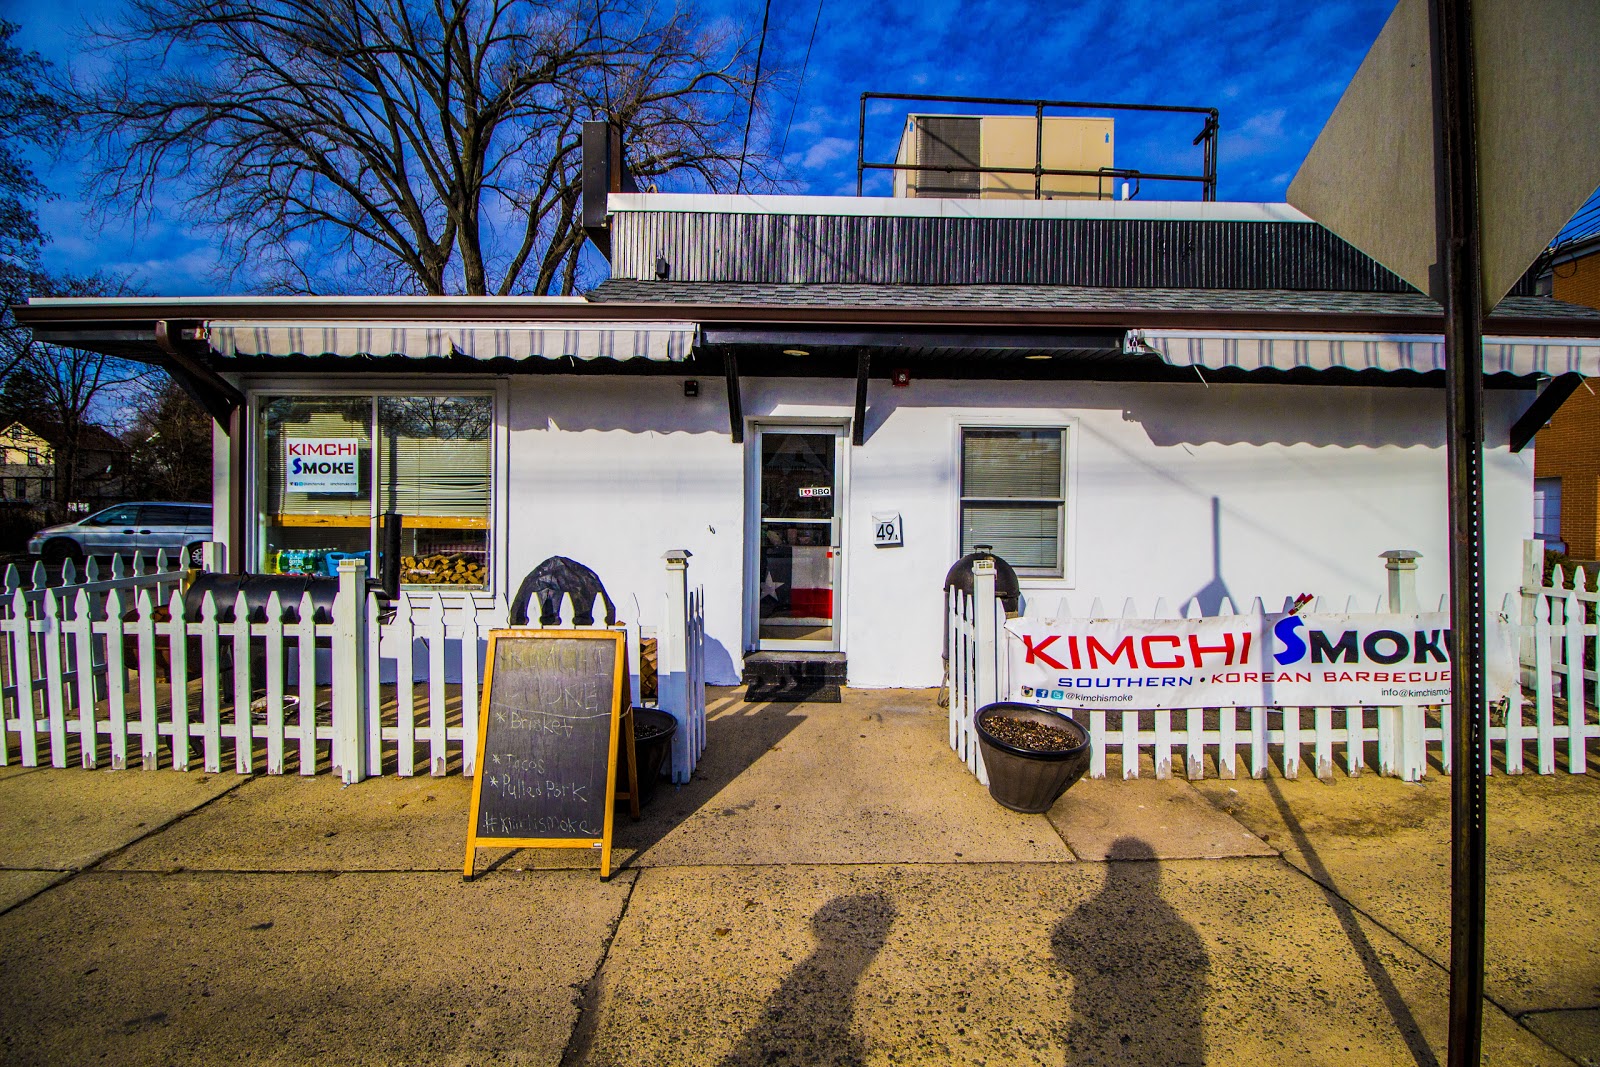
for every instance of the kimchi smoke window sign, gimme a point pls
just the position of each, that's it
(330, 466)
(1014, 496)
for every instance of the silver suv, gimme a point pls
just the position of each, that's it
(143, 526)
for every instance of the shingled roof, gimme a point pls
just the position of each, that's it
(1063, 298)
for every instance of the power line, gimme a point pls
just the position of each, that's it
(801, 84)
(751, 111)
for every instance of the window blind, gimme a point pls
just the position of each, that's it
(433, 457)
(1025, 536)
(1013, 495)
(1011, 464)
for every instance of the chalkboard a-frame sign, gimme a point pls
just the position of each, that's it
(547, 741)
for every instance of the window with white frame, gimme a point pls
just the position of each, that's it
(1547, 511)
(1014, 496)
(329, 468)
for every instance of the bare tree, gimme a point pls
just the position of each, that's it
(414, 145)
(169, 443)
(62, 390)
(30, 115)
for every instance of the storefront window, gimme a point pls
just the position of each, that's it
(331, 467)
(433, 471)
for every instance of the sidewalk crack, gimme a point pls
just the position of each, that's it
(125, 846)
(585, 1026)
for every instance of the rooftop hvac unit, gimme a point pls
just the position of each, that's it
(968, 144)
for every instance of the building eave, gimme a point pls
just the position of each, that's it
(130, 322)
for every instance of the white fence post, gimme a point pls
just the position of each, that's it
(985, 650)
(350, 672)
(178, 692)
(21, 633)
(1407, 748)
(672, 663)
(1531, 593)
(988, 637)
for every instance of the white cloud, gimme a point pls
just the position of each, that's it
(826, 151)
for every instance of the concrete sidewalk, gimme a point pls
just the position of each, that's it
(832, 888)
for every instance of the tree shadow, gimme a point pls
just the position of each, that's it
(1140, 973)
(1213, 593)
(808, 1019)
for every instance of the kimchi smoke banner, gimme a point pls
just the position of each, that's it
(1245, 661)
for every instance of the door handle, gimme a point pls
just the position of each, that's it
(144, 531)
(127, 531)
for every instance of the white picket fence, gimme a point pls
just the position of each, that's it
(1561, 690)
(92, 669)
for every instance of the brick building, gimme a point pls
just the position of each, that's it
(1566, 464)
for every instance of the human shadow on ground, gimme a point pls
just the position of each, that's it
(808, 1019)
(1377, 973)
(1140, 973)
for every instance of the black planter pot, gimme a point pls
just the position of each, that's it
(1024, 780)
(650, 755)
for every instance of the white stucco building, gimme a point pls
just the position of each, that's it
(1125, 399)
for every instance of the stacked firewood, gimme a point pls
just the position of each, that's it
(441, 569)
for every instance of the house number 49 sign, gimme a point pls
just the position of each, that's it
(886, 530)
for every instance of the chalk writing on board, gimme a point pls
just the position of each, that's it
(548, 746)
(532, 826)
(511, 761)
(536, 720)
(514, 785)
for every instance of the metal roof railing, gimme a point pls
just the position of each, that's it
(1207, 137)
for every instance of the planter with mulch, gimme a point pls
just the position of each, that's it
(652, 743)
(1032, 754)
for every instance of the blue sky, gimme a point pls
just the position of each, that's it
(1274, 69)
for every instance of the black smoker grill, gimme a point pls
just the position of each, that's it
(959, 576)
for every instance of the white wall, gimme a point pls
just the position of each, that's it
(612, 472)
(1179, 491)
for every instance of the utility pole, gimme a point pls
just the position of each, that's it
(1455, 112)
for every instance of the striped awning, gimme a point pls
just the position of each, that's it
(1323, 351)
(661, 341)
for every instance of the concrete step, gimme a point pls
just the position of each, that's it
(792, 677)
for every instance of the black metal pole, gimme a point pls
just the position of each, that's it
(861, 145)
(1038, 152)
(1457, 185)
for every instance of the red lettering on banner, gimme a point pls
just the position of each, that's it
(1150, 657)
(1199, 651)
(1111, 655)
(1036, 652)
(1072, 650)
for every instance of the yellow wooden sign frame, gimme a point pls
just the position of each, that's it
(619, 685)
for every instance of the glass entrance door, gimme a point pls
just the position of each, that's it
(797, 539)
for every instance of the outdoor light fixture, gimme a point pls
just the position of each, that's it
(691, 388)
(902, 377)
(1037, 355)
(795, 352)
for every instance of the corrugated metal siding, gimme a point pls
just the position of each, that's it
(1114, 253)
